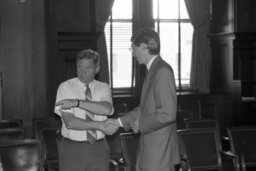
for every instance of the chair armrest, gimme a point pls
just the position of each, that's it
(230, 154)
(235, 157)
(225, 143)
(113, 162)
(184, 163)
(242, 162)
(118, 164)
(224, 138)
(51, 165)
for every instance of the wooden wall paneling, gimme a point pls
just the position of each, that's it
(222, 63)
(23, 60)
(245, 16)
(69, 44)
(74, 16)
(245, 48)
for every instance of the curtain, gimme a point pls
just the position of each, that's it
(199, 13)
(103, 11)
(142, 18)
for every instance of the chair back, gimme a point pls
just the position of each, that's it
(17, 123)
(7, 134)
(115, 146)
(243, 143)
(42, 123)
(46, 131)
(201, 123)
(114, 140)
(21, 155)
(129, 145)
(201, 147)
(49, 142)
(181, 116)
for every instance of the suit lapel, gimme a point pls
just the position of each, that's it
(148, 81)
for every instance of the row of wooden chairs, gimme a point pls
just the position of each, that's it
(45, 130)
(15, 123)
(16, 152)
(201, 149)
(44, 133)
(21, 155)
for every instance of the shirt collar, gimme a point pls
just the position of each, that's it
(83, 85)
(150, 62)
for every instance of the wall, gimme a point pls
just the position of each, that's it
(233, 28)
(23, 50)
(64, 17)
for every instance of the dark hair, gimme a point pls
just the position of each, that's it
(88, 54)
(148, 36)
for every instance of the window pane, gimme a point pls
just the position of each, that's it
(169, 45)
(183, 10)
(168, 9)
(122, 58)
(186, 49)
(169, 48)
(122, 9)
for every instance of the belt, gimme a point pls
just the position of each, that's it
(86, 142)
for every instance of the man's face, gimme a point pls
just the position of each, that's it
(86, 70)
(139, 53)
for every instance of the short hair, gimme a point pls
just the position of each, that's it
(88, 54)
(148, 36)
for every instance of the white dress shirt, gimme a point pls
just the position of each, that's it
(75, 89)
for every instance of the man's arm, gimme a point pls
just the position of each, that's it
(130, 120)
(72, 122)
(98, 108)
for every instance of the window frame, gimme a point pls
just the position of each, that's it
(132, 90)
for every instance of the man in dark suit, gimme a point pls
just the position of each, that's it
(155, 117)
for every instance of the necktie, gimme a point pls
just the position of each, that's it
(91, 135)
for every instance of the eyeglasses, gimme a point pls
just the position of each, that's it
(131, 49)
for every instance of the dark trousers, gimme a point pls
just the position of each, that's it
(170, 168)
(81, 156)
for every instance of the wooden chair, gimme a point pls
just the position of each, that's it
(16, 123)
(201, 123)
(41, 123)
(201, 150)
(11, 134)
(45, 129)
(48, 137)
(180, 118)
(208, 123)
(129, 145)
(243, 143)
(116, 159)
(21, 155)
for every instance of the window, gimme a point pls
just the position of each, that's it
(175, 30)
(118, 31)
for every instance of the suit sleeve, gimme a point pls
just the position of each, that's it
(164, 94)
(130, 118)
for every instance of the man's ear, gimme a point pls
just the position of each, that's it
(143, 46)
(97, 69)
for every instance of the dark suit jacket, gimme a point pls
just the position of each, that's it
(156, 113)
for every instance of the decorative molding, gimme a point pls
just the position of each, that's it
(68, 41)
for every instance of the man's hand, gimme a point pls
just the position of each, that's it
(135, 126)
(110, 126)
(67, 104)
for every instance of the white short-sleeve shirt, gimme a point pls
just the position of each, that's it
(75, 89)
